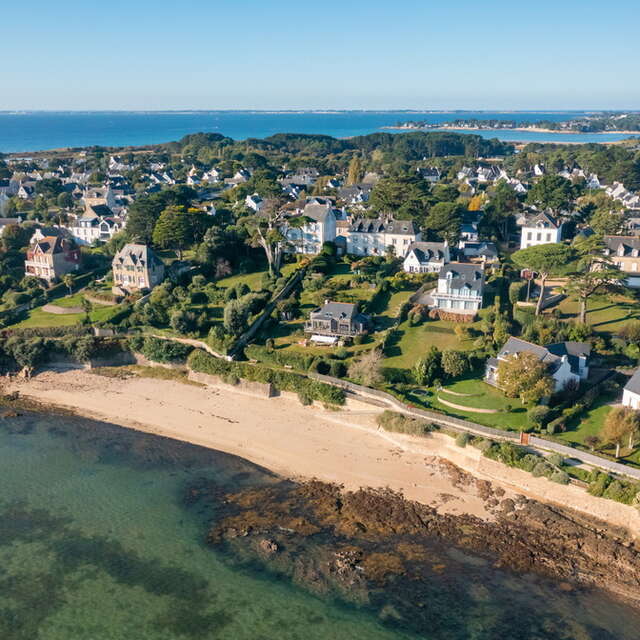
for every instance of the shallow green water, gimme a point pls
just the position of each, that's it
(96, 543)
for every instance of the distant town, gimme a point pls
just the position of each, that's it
(596, 123)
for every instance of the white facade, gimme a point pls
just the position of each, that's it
(542, 229)
(460, 288)
(426, 257)
(318, 229)
(631, 392)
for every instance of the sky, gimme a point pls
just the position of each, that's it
(347, 54)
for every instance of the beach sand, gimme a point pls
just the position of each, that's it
(341, 446)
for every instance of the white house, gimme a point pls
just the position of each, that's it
(542, 228)
(254, 201)
(631, 392)
(460, 288)
(213, 175)
(318, 228)
(426, 257)
(566, 361)
(430, 174)
(369, 237)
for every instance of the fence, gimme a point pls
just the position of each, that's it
(480, 430)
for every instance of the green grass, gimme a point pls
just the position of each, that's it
(606, 314)
(74, 300)
(483, 396)
(414, 342)
(253, 280)
(39, 318)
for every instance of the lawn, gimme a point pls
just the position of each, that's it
(39, 318)
(414, 342)
(511, 414)
(253, 280)
(606, 314)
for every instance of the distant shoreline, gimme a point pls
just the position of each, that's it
(531, 129)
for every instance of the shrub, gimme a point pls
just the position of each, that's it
(541, 469)
(537, 416)
(400, 423)
(462, 439)
(159, 350)
(599, 484)
(305, 398)
(561, 477)
(284, 380)
(555, 459)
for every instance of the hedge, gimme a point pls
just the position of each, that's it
(202, 362)
(281, 358)
(47, 332)
(600, 484)
(159, 350)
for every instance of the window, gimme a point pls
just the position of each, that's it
(528, 235)
(548, 237)
(538, 236)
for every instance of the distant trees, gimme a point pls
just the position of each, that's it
(405, 197)
(553, 191)
(145, 211)
(443, 221)
(174, 229)
(544, 259)
(524, 376)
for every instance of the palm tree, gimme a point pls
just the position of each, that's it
(68, 281)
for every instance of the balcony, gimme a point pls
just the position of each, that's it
(341, 332)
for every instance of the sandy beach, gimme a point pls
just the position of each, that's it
(344, 447)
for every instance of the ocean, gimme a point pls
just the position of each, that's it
(39, 130)
(100, 541)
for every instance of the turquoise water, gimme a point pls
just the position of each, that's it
(32, 131)
(97, 543)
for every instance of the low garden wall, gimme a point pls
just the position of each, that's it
(260, 389)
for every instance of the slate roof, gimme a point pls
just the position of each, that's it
(634, 383)
(463, 275)
(428, 251)
(336, 310)
(379, 225)
(551, 354)
(136, 254)
(628, 243)
(543, 218)
(318, 212)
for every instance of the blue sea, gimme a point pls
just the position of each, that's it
(39, 130)
(100, 540)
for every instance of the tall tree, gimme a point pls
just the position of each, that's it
(545, 260)
(621, 423)
(595, 273)
(524, 376)
(553, 191)
(173, 230)
(266, 230)
(443, 221)
(354, 174)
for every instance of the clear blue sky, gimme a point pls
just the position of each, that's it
(280, 54)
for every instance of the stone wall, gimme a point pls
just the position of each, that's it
(258, 389)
